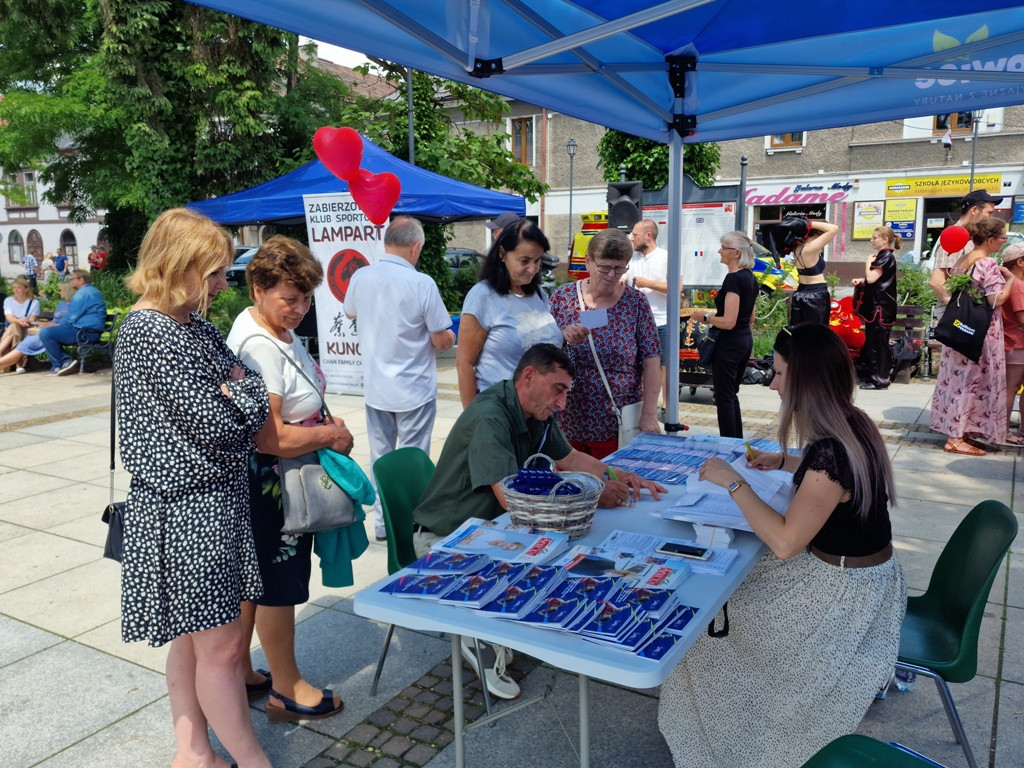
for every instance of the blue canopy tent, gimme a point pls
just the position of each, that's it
(690, 71)
(427, 195)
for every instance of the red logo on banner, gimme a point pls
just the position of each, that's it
(339, 273)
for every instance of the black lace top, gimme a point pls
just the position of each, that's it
(846, 532)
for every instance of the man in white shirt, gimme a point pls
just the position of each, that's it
(648, 273)
(401, 322)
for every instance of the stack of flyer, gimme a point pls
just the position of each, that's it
(621, 593)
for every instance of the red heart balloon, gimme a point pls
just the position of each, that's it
(954, 238)
(340, 150)
(375, 194)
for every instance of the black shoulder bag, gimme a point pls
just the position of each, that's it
(965, 322)
(113, 514)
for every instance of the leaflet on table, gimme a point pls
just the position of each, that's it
(671, 460)
(504, 541)
(449, 562)
(625, 541)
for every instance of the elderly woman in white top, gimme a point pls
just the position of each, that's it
(506, 313)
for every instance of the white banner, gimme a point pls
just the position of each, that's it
(343, 240)
(703, 225)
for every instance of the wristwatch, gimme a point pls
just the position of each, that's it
(735, 485)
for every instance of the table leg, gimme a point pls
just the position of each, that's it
(458, 695)
(584, 721)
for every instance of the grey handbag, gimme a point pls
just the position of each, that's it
(310, 499)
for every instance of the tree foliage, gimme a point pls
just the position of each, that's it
(443, 144)
(647, 160)
(135, 106)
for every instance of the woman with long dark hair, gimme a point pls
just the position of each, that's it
(805, 240)
(814, 629)
(505, 313)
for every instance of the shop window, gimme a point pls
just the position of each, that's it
(956, 122)
(785, 142)
(15, 247)
(521, 130)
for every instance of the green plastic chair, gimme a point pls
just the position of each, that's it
(939, 638)
(856, 751)
(401, 476)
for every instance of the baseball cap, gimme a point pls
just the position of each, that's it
(972, 199)
(507, 219)
(1013, 252)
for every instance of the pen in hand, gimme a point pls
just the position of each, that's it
(750, 451)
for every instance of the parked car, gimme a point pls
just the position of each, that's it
(236, 272)
(458, 258)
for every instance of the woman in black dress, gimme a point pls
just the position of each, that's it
(188, 412)
(734, 312)
(877, 307)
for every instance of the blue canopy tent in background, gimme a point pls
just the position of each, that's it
(426, 195)
(690, 71)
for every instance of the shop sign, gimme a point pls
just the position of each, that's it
(802, 193)
(866, 216)
(942, 186)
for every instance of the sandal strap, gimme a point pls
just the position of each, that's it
(326, 703)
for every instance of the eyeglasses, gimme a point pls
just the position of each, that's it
(608, 269)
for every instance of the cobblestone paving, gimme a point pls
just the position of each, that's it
(415, 725)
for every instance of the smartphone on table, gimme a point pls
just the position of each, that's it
(684, 550)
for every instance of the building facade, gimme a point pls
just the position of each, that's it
(907, 173)
(30, 224)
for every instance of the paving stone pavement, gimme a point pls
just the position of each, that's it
(59, 615)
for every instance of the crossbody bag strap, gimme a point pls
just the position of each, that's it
(600, 368)
(113, 417)
(323, 403)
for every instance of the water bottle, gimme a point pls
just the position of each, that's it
(905, 680)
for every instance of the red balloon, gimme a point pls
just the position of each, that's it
(954, 238)
(340, 150)
(375, 194)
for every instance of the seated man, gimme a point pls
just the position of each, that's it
(501, 428)
(88, 312)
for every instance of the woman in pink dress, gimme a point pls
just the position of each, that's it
(969, 401)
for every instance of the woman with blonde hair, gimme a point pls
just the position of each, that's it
(877, 307)
(21, 311)
(189, 412)
(733, 315)
(815, 628)
(31, 345)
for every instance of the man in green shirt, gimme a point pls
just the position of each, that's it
(501, 428)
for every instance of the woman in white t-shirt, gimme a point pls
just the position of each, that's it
(281, 277)
(21, 311)
(506, 313)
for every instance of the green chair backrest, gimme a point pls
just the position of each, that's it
(857, 751)
(962, 579)
(401, 476)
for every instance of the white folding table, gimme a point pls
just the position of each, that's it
(564, 650)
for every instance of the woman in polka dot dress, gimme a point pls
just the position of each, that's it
(188, 413)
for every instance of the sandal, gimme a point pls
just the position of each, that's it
(258, 690)
(1014, 439)
(955, 445)
(293, 711)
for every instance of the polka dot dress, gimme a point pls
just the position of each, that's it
(809, 645)
(189, 558)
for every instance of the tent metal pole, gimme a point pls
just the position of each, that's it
(675, 251)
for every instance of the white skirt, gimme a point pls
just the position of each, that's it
(809, 645)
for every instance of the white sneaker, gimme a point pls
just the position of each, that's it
(494, 659)
(20, 370)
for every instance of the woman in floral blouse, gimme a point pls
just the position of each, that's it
(627, 346)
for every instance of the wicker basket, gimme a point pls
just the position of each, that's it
(572, 515)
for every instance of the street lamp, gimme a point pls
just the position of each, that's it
(570, 147)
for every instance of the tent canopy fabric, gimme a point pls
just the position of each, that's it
(426, 195)
(710, 69)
